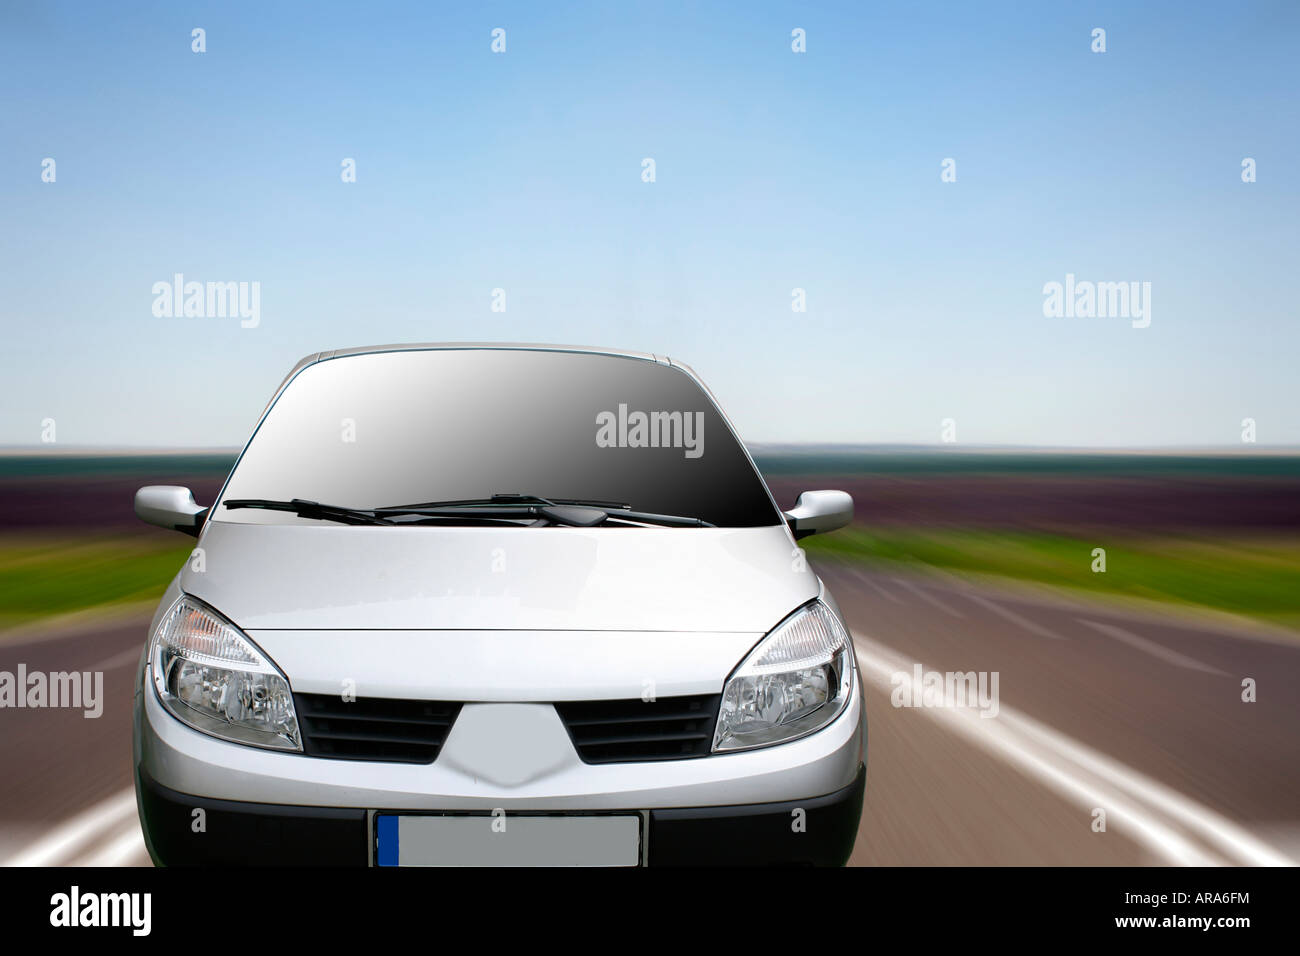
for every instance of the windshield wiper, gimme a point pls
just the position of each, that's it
(570, 511)
(567, 512)
(650, 517)
(507, 499)
(553, 513)
(310, 509)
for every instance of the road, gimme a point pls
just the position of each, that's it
(66, 797)
(1138, 715)
(1134, 715)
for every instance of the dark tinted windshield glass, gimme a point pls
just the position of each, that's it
(396, 428)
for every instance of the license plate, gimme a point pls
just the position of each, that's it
(522, 840)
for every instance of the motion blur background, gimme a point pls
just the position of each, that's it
(866, 324)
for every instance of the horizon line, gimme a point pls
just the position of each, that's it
(107, 451)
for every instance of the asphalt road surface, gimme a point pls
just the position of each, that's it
(1130, 717)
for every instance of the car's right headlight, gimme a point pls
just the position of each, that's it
(213, 678)
(798, 679)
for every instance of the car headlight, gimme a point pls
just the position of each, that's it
(798, 679)
(213, 678)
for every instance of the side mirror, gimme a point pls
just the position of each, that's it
(819, 511)
(171, 507)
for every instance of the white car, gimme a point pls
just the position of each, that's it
(497, 605)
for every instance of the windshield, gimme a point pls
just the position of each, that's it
(385, 429)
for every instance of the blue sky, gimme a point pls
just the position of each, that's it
(774, 171)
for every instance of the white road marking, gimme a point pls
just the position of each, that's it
(1212, 826)
(872, 584)
(1139, 805)
(129, 656)
(1285, 836)
(125, 849)
(951, 612)
(1152, 648)
(55, 847)
(1017, 619)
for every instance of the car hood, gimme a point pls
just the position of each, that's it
(323, 577)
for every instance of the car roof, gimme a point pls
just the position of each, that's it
(511, 346)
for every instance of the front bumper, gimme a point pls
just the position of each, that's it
(819, 831)
(518, 757)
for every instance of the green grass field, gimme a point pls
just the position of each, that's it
(1257, 577)
(40, 577)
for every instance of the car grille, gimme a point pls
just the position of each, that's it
(619, 731)
(373, 728)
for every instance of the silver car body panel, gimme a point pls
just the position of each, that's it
(309, 577)
(504, 666)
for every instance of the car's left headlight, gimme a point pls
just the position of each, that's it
(210, 676)
(798, 679)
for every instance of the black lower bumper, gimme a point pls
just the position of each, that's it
(234, 833)
(819, 831)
